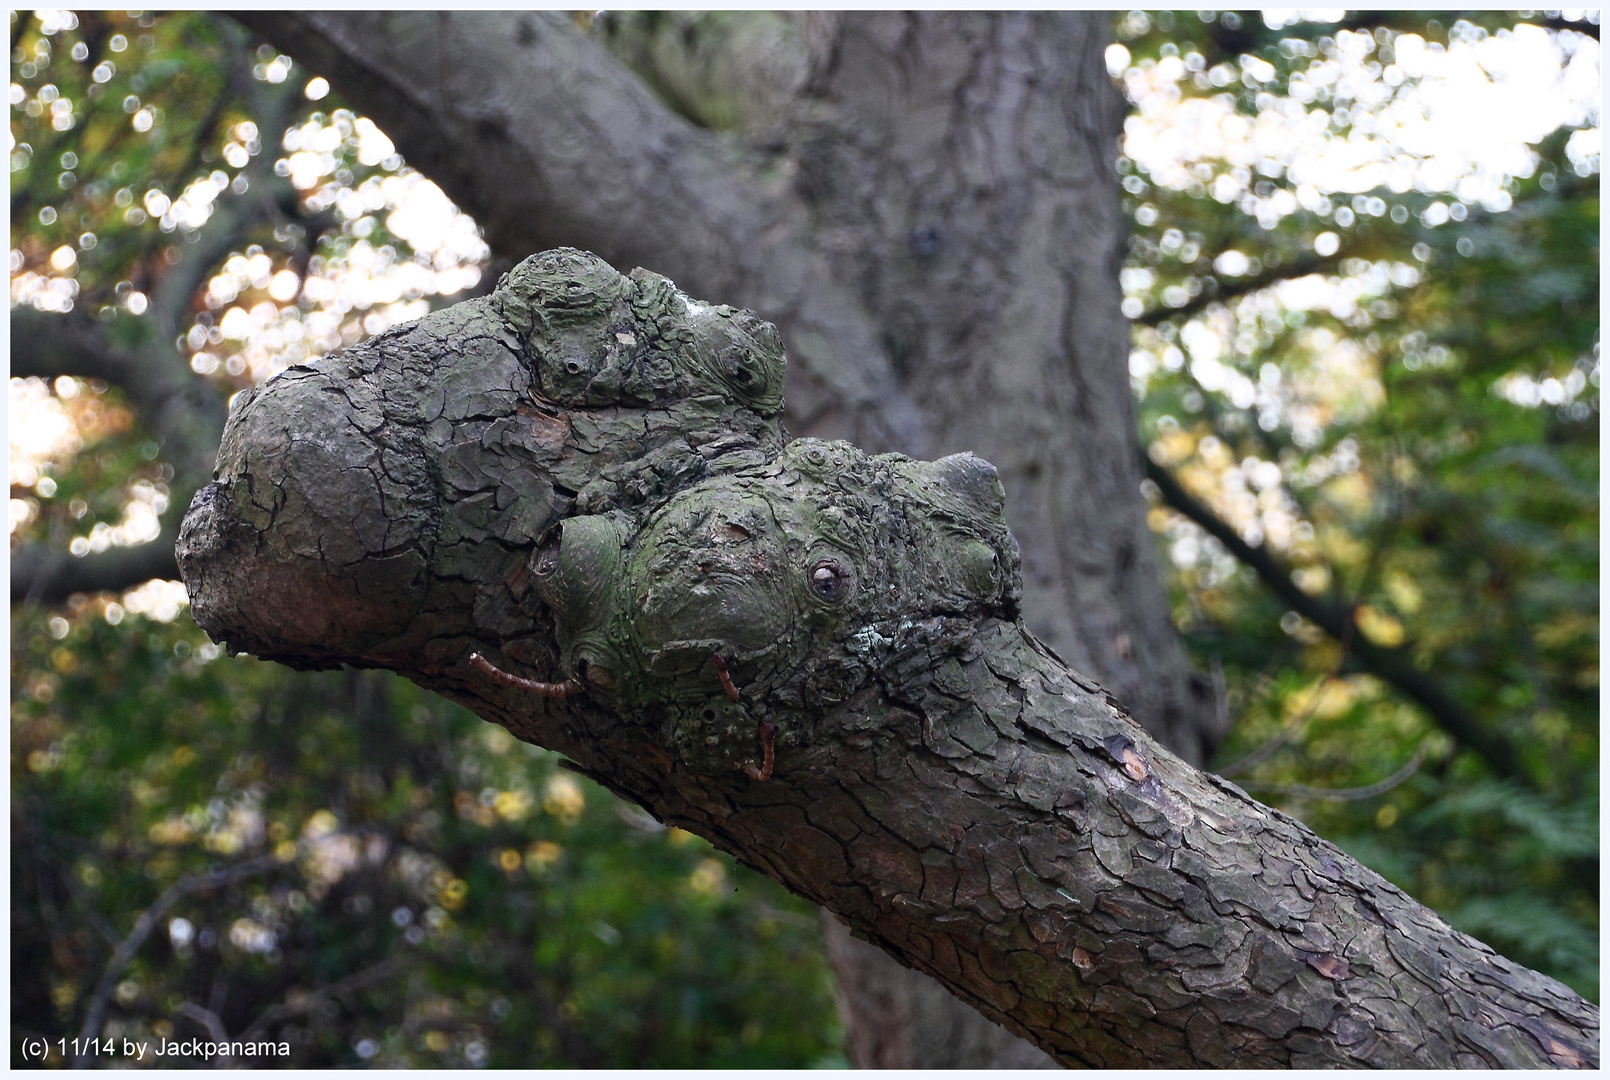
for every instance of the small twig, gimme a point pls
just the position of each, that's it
(1279, 739)
(214, 1025)
(1380, 787)
(1221, 695)
(147, 922)
(284, 1011)
(546, 689)
(1287, 731)
(51, 869)
(1262, 753)
(724, 675)
(768, 734)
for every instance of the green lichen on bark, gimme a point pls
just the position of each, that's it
(394, 479)
(780, 578)
(814, 658)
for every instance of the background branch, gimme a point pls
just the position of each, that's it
(306, 1003)
(1290, 271)
(559, 143)
(214, 1025)
(184, 412)
(1392, 665)
(1369, 791)
(41, 574)
(148, 921)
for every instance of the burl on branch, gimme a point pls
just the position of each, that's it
(571, 506)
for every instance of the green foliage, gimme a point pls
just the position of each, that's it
(144, 110)
(444, 895)
(1419, 441)
(144, 168)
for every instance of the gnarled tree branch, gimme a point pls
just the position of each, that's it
(581, 476)
(557, 142)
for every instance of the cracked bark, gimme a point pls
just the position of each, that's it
(928, 213)
(582, 476)
(922, 203)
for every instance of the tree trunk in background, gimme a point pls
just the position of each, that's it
(925, 206)
(897, 1018)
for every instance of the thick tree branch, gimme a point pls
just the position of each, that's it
(183, 411)
(581, 477)
(46, 575)
(1393, 665)
(557, 142)
(607, 161)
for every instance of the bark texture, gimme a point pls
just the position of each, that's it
(922, 203)
(817, 659)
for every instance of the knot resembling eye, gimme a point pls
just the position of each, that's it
(546, 564)
(827, 579)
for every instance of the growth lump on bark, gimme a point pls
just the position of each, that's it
(363, 493)
(779, 579)
(570, 505)
(613, 447)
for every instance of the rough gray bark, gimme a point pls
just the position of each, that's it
(922, 203)
(925, 207)
(817, 659)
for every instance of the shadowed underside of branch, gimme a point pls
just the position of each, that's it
(814, 658)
